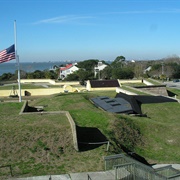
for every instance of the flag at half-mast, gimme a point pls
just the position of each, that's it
(7, 54)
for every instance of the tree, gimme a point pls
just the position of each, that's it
(120, 59)
(106, 73)
(122, 73)
(85, 75)
(23, 74)
(72, 77)
(38, 74)
(50, 74)
(88, 64)
(80, 75)
(118, 62)
(138, 70)
(176, 73)
(6, 76)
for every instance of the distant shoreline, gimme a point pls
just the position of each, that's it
(11, 67)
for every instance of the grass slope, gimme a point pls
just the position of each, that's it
(161, 133)
(42, 144)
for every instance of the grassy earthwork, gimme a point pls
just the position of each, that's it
(41, 144)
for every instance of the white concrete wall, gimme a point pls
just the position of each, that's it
(147, 83)
(50, 81)
(38, 81)
(130, 81)
(119, 90)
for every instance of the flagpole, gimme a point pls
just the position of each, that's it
(17, 60)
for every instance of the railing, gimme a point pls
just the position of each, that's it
(118, 159)
(167, 171)
(127, 168)
(132, 171)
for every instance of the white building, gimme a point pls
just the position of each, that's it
(100, 66)
(147, 69)
(68, 69)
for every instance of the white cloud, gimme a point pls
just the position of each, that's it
(64, 19)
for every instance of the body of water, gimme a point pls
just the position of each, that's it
(10, 67)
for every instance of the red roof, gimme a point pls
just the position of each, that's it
(67, 67)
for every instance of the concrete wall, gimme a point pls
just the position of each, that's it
(41, 91)
(147, 82)
(53, 82)
(118, 90)
(65, 86)
(130, 81)
(33, 92)
(73, 128)
(37, 81)
(155, 90)
(103, 89)
(120, 81)
(50, 81)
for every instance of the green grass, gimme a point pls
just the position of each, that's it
(160, 132)
(42, 144)
(155, 82)
(128, 88)
(31, 141)
(133, 84)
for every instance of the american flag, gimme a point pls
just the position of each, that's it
(7, 54)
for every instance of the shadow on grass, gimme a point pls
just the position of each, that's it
(32, 109)
(135, 156)
(90, 138)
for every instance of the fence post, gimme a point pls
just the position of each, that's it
(11, 170)
(108, 146)
(89, 178)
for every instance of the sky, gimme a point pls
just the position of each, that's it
(77, 30)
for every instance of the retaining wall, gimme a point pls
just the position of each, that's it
(50, 81)
(40, 91)
(158, 90)
(64, 86)
(118, 90)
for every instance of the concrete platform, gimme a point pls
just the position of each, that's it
(48, 177)
(105, 175)
(175, 166)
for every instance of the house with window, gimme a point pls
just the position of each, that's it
(68, 69)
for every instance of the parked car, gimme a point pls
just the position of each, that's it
(176, 80)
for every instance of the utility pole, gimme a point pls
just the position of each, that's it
(162, 68)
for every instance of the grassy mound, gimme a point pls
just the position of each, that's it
(42, 144)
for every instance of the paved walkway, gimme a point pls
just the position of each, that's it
(175, 166)
(108, 175)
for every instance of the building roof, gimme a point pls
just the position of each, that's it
(104, 83)
(129, 104)
(67, 67)
(114, 105)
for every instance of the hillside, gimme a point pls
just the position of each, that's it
(42, 144)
